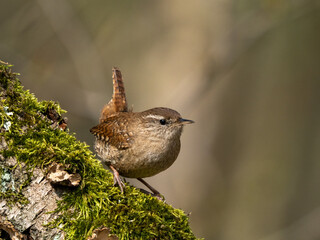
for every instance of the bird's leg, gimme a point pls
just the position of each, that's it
(117, 179)
(153, 190)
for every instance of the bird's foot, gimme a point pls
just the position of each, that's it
(117, 180)
(158, 196)
(155, 193)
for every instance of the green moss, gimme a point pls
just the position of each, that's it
(31, 139)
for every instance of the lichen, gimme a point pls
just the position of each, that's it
(33, 141)
(8, 189)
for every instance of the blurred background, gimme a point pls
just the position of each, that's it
(247, 72)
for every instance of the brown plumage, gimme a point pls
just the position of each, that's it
(136, 144)
(118, 102)
(112, 131)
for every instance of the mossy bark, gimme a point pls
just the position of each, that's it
(33, 138)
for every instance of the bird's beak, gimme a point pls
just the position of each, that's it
(185, 121)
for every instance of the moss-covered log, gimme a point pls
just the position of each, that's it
(33, 139)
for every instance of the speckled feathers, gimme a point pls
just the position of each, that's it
(113, 131)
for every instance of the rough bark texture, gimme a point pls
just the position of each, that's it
(30, 219)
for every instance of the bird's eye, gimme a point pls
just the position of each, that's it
(163, 121)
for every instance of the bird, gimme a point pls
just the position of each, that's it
(136, 144)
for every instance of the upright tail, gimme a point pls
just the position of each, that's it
(118, 102)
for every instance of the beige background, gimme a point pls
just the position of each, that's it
(246, 71)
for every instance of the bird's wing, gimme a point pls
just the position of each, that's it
(113, 132)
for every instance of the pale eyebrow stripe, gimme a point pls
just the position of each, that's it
(153, 116)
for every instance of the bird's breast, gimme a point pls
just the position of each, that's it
(140, 160)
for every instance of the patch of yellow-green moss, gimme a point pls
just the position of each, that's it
(31, 139)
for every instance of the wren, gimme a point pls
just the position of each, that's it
(136, 144)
